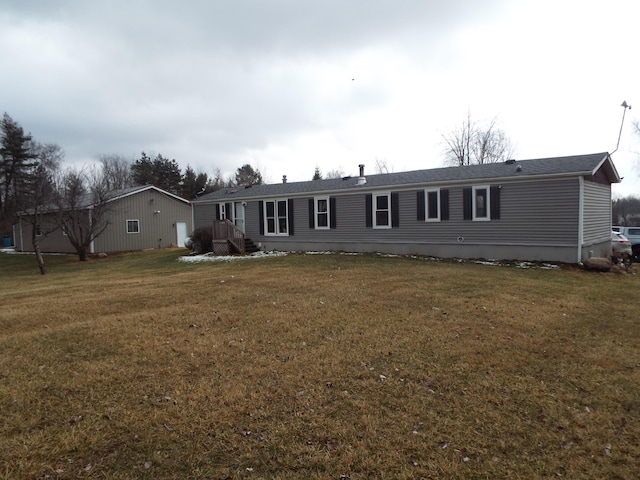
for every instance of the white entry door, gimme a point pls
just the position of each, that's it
(181, 230)
(238, 218)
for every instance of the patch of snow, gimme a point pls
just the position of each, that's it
(13, 251)
(228, 258)
(209, 257)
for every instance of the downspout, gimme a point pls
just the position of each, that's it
(21, 236)
(193, 221)
(580, 217)
(92, 246)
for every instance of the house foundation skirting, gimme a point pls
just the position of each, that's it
(534, 253)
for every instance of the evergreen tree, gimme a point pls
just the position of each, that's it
(159, 172)
(188, 187)
(317, 175)
(246, 176)
(17, 158)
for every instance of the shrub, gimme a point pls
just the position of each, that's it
(202, 240)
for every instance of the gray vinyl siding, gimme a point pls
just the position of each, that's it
(203, 215)
(542, 213)
(54, 242)
(157, 230)
(597, 212)
(252, 221)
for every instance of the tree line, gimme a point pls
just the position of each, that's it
(35, 186)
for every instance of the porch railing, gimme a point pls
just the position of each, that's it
(225, 230)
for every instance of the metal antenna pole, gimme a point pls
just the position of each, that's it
(624, 105)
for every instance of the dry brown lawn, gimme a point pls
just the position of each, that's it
(316, 366)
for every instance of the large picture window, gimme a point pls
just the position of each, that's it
(276, 217)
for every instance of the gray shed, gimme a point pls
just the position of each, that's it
(139, 218)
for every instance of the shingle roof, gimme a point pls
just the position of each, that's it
(88, 199)
(542, 167)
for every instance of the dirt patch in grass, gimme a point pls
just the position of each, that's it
(318, 366)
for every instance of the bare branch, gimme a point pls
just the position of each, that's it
(472, 143)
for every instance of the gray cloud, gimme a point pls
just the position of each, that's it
(220, 83)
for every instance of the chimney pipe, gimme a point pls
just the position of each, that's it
(361, 179)
(284, 179)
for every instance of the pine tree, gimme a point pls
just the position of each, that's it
(17, 158)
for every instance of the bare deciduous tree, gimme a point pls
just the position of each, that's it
(37, 202)
(636, 131)
(473, 143)
(83, 201)
(116, 170)
(335, 173)
(382, 166)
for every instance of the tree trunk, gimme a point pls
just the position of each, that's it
(39, 258)
(82, 254)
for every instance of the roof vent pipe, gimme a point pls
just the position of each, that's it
(361, 179)
(284, 179)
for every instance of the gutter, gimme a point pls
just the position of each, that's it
(580, 217)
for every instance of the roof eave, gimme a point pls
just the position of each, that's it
(402, 186)
(607, 160)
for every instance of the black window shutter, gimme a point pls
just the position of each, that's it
(467, 203)
(261, 216)
(290, 215)
(494, 200)
(420, 205)
(332, 211)
(444, 204)
(312, 213)
(227, 210)
(368, 204)
(217, 211)
(395, 210)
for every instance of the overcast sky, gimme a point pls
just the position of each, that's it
(288, 85)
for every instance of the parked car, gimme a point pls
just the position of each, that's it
(621, 248)
(633, 235)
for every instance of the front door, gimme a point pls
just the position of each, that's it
(181, 231)
(238, 218)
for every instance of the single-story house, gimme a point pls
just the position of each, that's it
(548, 209)
(138, 218)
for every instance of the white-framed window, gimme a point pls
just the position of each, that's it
(133, 226)
(432, 205)
(276, 217)
(480, 202)
(382, 210)
(322, 213)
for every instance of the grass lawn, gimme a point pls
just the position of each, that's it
(316, 366)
